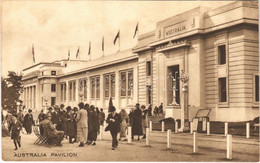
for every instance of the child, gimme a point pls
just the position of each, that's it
(16, 127)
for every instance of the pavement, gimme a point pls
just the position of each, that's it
(210, 148)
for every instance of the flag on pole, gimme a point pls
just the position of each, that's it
(117, 37)
(103, 48)
(77, 54)
(136, 30)
(69, 55)
(89, 48)
(33, 54)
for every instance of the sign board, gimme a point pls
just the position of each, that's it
(203, 113)
(195, 122)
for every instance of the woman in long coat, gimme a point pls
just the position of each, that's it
(28, 122)
(70, 123)
(95, 126)
(16, 127)
(123, 125)
(137, 122)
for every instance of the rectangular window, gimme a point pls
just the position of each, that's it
(85, 89)
(53, 101)
(148, 68)
(222, 54)
(97, 87)
(123, 83)
(130, 82)
(257, 88)
(93, 80)
(106, 85)
(65, 91)
(53, 72)
(61, 92)
(222, 90)
(53, 87)
(113, 85)
(70, 91)
(74, 90)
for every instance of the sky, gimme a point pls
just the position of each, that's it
(55, 27)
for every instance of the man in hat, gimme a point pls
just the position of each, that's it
(82, 125)
(28, 122)
(53, 134)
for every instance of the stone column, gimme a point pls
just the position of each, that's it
(101, 87)
(67, 94)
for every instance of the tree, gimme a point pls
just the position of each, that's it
(12, 88)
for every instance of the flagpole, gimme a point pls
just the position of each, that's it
(78, 54)
(103, 46)
(119, 41)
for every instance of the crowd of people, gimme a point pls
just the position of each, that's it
(81, 124)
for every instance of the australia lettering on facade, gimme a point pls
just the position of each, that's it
(171, 31)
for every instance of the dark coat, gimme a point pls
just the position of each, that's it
(41, 117)
(90, 116)
(16, 128)
(63, 122)
(28, 122)
(95, 121)
(54, 118)
(101, 117)
(71, 124)
(114, 126)
(137, 122)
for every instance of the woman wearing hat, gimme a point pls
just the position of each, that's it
(113, 120)
(123, 125)
(28, 122)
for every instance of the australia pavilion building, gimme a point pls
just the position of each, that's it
(198, 59)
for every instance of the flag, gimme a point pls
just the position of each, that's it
(89, 48)
(33, 54)
(103, 48)
(117, 37)
(77, 54)
(110, 105)
(69, 55)
(136, 30)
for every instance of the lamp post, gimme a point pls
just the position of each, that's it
(45, 97)
(18, 106)
(174, 88)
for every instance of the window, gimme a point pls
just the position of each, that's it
(97, 87)
(72, 90)
(53, 72)
(148, 68)
(63, 91)
(222, 90)
(256, 88)
(53, 87)
(130, 82)
(85, 89)
(126, 81)
(93, 81)
(109, 85)
(53, 101)
(123, 83)
(222, 54)
(106, 85)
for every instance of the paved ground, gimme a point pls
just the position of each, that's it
(211, 148)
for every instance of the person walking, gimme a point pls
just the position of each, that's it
(113, 120)
(82, 125)
(137, 122)
(16, 127)
(28, 122)
(123, 125)
(144, 120)
(95, 127)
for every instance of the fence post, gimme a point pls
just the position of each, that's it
(162, 126)
(151, 126)
(169, 138)
(247, 130)
(229, 146)
(226, 128)
(101, 132)
(147, 142)
(191, 129)
(176, 126)
(208, 128)
(195, 142)
(129, 136)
